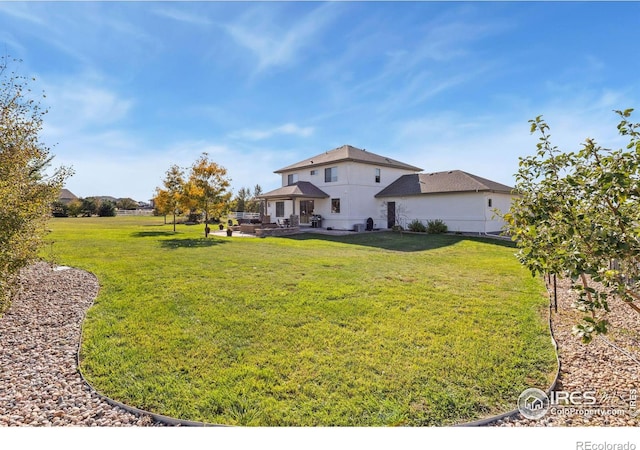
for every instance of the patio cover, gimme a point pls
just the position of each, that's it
(299, 189)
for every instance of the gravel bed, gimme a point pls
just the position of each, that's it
(39, 334)
(40, 384)
(609, 365)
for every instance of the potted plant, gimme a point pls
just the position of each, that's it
(221, 227)
(229, 231)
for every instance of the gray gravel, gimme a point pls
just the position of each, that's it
(40, 384)
(39, 334)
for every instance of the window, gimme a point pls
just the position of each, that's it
(292, 178)
(335, 205)
(331, 174)
(314, 172)
(377, 175)
(489, 203)
(279, 209)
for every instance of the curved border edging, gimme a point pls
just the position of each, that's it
(515, 412)
(172, 421)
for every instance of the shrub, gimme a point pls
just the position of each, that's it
(27, 192)
(417, 226)
(107, 209)
(436, 226)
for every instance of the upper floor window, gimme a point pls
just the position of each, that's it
(292, 178)
(314, 172)
(331, 174)
(377, 175)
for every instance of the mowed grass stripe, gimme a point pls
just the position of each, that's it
(366, 329)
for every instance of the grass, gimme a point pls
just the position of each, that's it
(366, 329)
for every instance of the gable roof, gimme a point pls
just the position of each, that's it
(442, 182)
(297, 189)
(348, 153)
(66, 194)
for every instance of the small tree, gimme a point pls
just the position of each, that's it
(578, 215)
(169, 199)
(207, 187)
(89, 206)
(107, 209)
(26, 191)
(74, 208)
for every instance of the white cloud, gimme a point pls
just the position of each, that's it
(182, 16)
(260, 134)
(279, 46)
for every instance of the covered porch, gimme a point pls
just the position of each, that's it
(295, 204)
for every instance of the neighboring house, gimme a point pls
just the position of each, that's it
(346, 186)
(66, 196)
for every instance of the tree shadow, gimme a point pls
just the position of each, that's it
(173, 244)
(143, 234)
(402, 242)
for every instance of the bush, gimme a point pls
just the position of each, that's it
(417, 226)
(107, 209)
(436, 226)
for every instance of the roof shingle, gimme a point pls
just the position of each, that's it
(441, 182)
(348, 153)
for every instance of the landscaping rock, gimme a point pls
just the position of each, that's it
(39, 335)
(40, 384)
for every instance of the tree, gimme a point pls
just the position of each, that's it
(241, 199)
(74, 208)
(127, 203)
(27, 191)
(107, 209)
(89, 206)
(578, 215)
(169, 199)
(206, 189)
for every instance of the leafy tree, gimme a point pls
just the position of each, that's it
(89, 206)
(27, 192)
(206, 189)
(59, 209)
(126, 203)
(578, 215)
(107, 209)
(241, 199)
(169, 199)
(74, 208)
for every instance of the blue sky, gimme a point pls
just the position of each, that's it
(133, 87)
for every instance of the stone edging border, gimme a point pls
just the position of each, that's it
(172, 421)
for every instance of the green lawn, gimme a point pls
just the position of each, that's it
(365, 329)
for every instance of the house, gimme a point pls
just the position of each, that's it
(465, 202)
(66, 196)
(346, 186)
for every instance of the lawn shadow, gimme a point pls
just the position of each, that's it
(152, 233)
(191, 243)
(402, 242)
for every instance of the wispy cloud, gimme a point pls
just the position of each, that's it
(182, 16)
(279, 46)
(79, 104)
(290, 129)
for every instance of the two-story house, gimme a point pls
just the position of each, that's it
(346, 186)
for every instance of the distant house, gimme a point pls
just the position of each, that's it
(66, 196)
(347, 185)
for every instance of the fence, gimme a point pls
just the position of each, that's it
(134, 212)
(243, 215)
